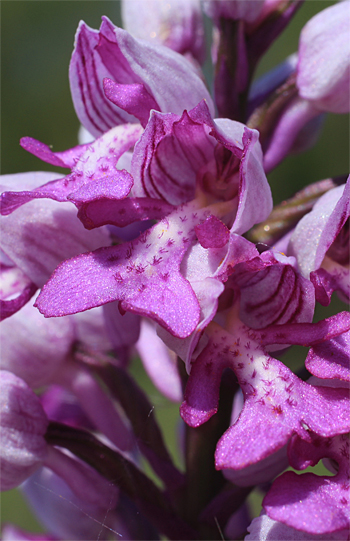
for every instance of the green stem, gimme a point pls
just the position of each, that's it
(204, 482)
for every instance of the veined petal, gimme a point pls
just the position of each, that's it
(113, 53)
(255, 200)
(272, 291)
(143, 60)
(86, 73)
(223, 159)
(169, 154)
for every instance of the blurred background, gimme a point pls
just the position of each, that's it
(37, 42)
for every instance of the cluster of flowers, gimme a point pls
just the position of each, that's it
(144, 246)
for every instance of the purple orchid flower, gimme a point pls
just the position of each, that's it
(152, 262)
(323, 74)
(272, 411)
(134, 66)
(322, 79)
(320, 242)
(315, 504)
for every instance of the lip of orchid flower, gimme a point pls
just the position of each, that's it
(307, 502)
(142, 274)
(178, 25)
(114, 54)
(276, 401)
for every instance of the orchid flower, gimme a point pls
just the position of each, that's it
(271, 412)
(322, 79)
(133, 65)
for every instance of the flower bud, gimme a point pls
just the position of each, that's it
(323, 74)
